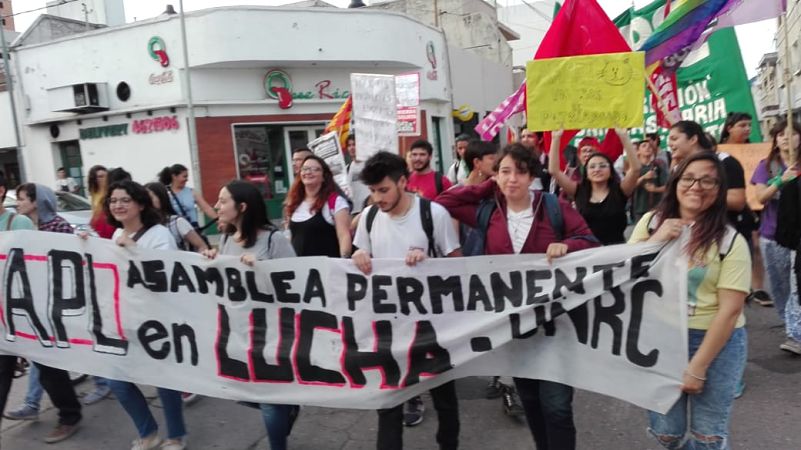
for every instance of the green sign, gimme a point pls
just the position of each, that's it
(104, 131)
(710, 87)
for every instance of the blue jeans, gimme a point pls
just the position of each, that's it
(777, 262)
(278, 420)
(792, 313)
(709, 411)
(33, 397)
(135, 404)
(549, 413)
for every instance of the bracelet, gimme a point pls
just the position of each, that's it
(687, 372)
(776, 182)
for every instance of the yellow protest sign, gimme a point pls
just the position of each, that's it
(595, 91)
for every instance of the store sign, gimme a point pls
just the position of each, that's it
(407, 92)
(277, 81)
(155, 125)
(432, 59)
(157, 50)
(103, 132)
(140, 126)
(161, 78)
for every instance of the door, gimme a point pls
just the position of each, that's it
(72, 163)
(299, 137)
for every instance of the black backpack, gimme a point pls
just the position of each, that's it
(425, 218)
(475, 240)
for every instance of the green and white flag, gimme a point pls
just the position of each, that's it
(712, 81)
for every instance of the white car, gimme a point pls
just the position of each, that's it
(73, 208)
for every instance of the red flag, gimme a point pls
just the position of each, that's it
(580, 28)
(341, 121)
(666, 91)
(611, 145)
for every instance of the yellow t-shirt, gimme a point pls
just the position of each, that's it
(703, 281)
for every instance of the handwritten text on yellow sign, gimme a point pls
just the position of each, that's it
(596, 91)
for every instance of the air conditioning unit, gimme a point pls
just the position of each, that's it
(79, 98)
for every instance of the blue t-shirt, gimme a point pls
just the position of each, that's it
(187, 199)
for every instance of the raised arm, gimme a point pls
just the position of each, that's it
(567, 185)
(629, 182)
(462, 201)
(204, 205)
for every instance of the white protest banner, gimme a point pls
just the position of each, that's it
(407, 91)
(316, 331)
(329, 149)
(374, 114)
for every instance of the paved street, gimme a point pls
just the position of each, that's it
(765, 418)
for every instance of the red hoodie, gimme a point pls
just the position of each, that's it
(462, 203)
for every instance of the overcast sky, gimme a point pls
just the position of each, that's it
(755, 39)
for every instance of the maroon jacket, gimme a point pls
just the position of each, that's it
(462, 203)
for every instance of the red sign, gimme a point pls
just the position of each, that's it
(155, 125)
(408, 121)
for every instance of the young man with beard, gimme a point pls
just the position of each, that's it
(401, 225)
(423, 180)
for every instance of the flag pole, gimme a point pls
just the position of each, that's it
(787, 86)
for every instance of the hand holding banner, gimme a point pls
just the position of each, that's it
(596, 91)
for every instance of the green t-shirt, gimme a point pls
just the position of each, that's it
(643, 200)
(18, 222)
(704, 280)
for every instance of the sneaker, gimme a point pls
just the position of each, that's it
(760, 297)
(792, 346)
(494, 389)
(173, 444)
(24, 413)
(98, 394)
(189, 398)
(61, 432)
(740, 389)
(413, 412)
(147, 443)
(511, 402)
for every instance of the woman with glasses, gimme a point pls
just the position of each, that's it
(130, 209)
(248, 235)
(718, 280)
(317, 213)
(599, 197)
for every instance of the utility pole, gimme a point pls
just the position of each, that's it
(190, 107)
(10, 87)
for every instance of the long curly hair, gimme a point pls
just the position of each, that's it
(710, 226)
(297, 193)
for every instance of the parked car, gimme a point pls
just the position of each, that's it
(73, 208)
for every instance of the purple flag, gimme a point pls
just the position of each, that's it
(492, 124)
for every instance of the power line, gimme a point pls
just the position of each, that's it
(63, 2)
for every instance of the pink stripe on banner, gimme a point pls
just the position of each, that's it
(492, 124)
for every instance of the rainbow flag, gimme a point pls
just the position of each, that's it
(341, 121)
(682, 28)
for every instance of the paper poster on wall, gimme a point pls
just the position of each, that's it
(407, 90)
(374, 114)
(327, 147)
(596, 91)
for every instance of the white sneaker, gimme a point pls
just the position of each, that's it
(173, 444)
(792, 346)
(147, 443)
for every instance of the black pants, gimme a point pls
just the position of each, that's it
(390, 421)
(549, 413)
(7, 364)
(57, 384)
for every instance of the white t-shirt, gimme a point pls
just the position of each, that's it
(458, 176)
(66, 184)
(393, 237)
(157, 237)
(304, 213)
(358, 190)
(519, 225)
(179, 228)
